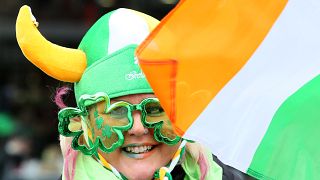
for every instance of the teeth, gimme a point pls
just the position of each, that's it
(138, 149)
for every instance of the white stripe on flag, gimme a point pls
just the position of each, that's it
(236, 120)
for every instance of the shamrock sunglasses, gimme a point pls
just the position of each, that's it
(103, 123)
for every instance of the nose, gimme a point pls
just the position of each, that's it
(137, 129)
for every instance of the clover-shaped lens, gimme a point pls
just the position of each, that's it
(102, 124)
(156, 118)
(107, 124)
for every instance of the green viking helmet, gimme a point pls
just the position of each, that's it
(109, 46)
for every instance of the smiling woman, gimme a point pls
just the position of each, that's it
(118, 129)
(140, 155)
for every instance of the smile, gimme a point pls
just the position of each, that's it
(137, 151)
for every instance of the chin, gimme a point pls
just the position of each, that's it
(140, 169)
(140, 176)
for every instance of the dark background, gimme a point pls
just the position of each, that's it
(26, 94)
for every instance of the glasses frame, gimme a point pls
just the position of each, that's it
(85, 101)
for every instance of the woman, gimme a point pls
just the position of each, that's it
(118, 130)
(140, 155)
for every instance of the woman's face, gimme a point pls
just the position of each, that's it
(140, 155)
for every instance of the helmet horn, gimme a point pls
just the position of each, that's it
(61, 63)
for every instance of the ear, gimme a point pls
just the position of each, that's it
(75, 123)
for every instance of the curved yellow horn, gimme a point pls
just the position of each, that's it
(61, 63)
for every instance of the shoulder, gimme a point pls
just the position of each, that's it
(230, 173)
(213, 165)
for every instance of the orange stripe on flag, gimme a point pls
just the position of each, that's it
(198, 47)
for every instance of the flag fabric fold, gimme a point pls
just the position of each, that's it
(242, 77)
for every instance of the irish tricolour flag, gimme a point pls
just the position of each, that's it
(242, 77)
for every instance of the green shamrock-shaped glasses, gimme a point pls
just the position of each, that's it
(103, 125)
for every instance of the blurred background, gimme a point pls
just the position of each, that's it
(28, 116)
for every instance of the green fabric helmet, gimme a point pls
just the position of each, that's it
(109, 46)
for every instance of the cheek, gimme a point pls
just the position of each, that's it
(167, 152)
(114, 158)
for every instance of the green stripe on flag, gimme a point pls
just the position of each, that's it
(290, 149)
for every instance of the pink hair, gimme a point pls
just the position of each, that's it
(203, 166)
(58, 99)
(69, 155)
(197, 151)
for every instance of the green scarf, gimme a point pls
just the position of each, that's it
(192, 169)
(89, 169)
